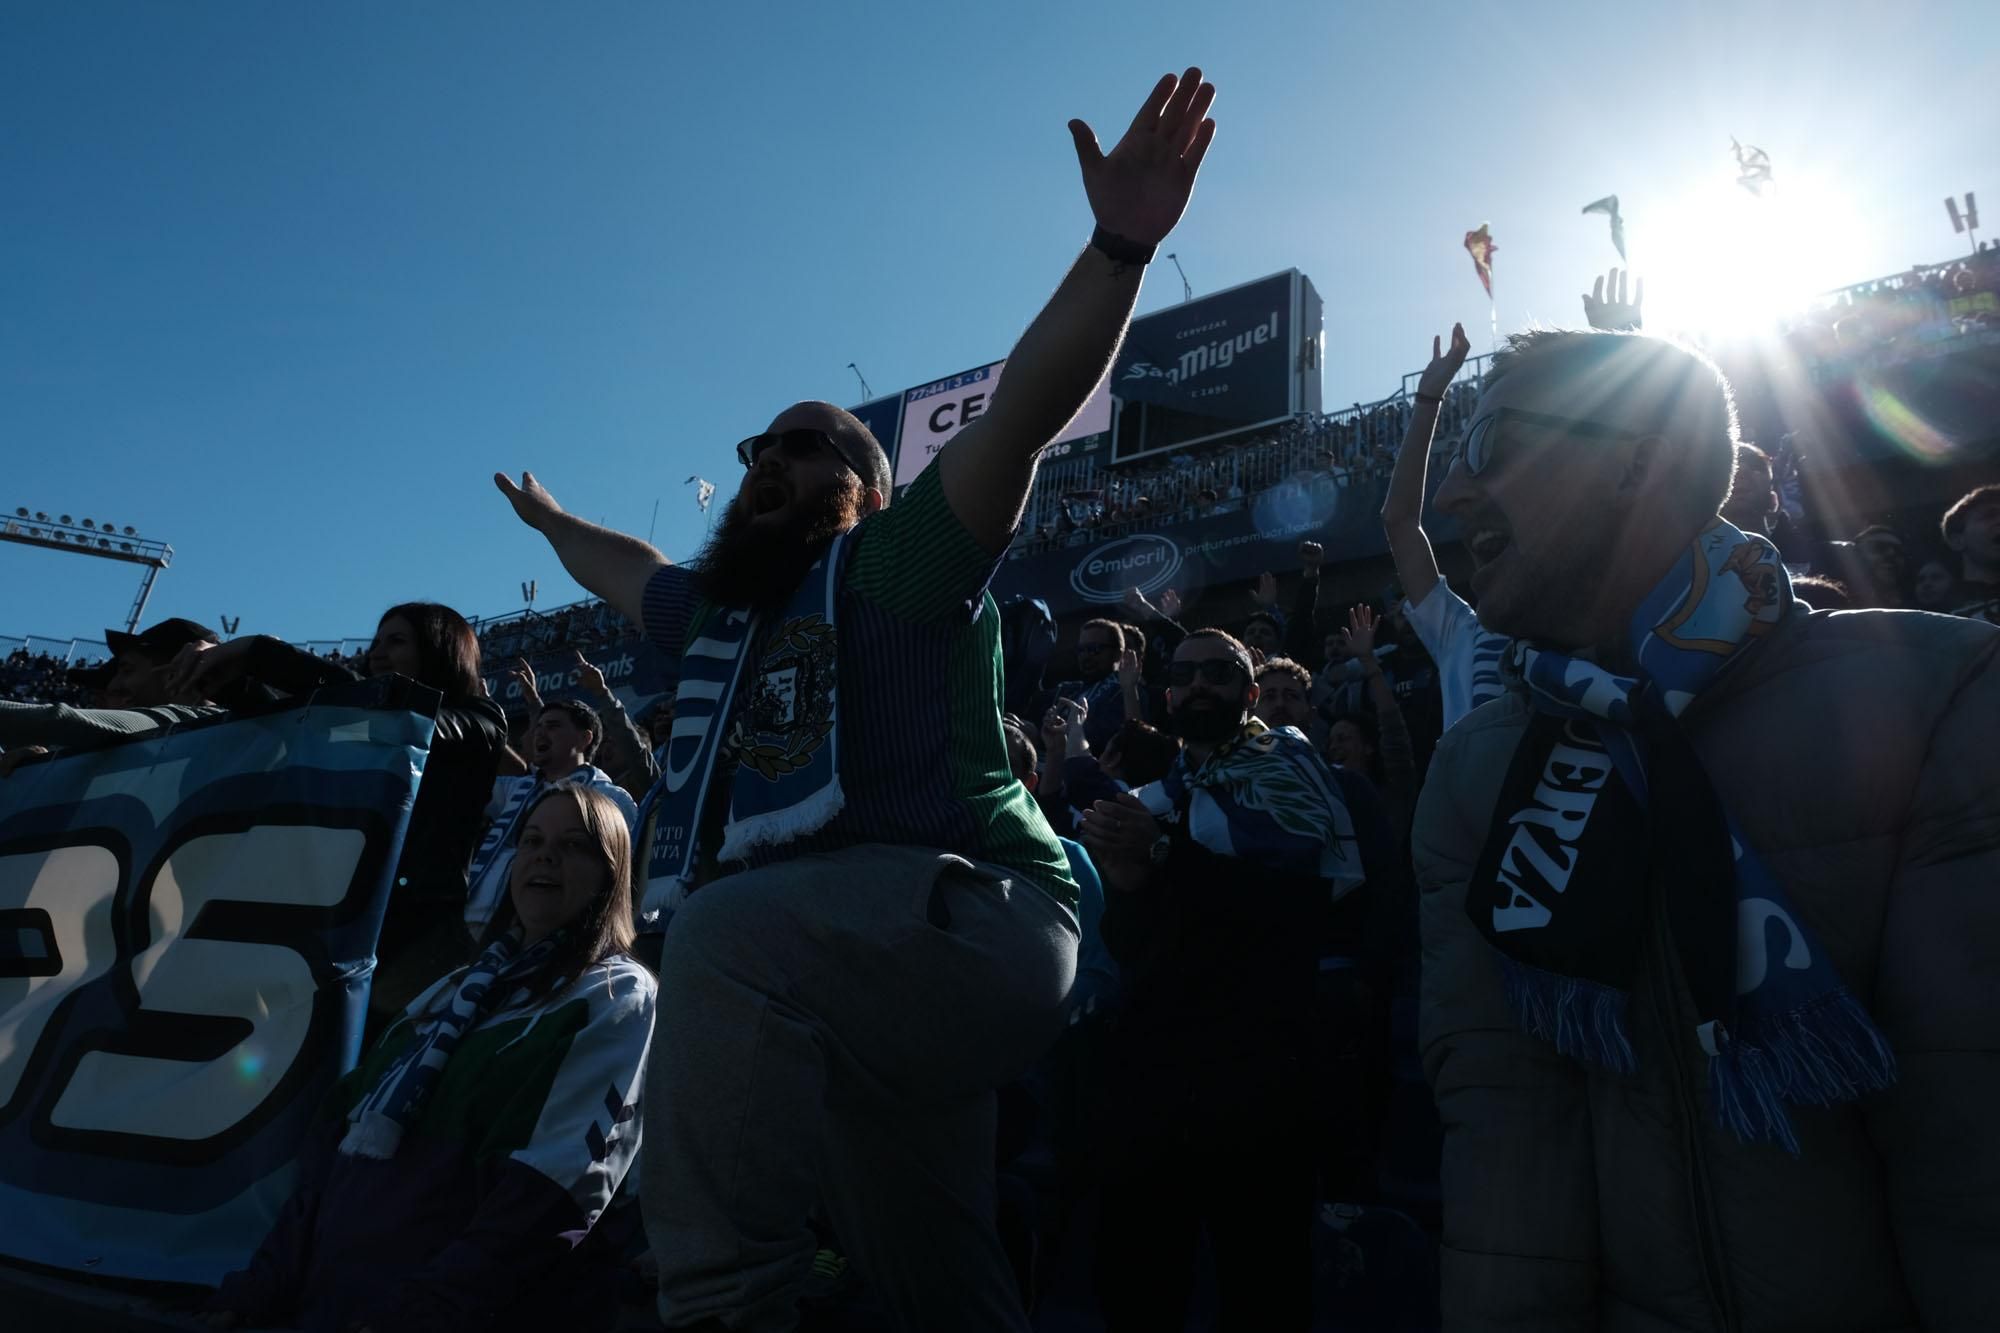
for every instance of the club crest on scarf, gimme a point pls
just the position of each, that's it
(1606, 805)
(790, 712)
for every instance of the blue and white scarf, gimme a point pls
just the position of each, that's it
(1605, 803)
(378, 1122)
(1266, 797)
(500, 833)
(786, 735)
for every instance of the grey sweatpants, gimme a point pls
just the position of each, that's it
(830, 1033)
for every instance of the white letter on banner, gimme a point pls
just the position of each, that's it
(75, 886)
(269, 984)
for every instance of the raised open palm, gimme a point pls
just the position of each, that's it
(531, 500)
(1140, 188)
(1606, 307)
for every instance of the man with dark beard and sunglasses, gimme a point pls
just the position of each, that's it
(872, 924)
(1222, 879)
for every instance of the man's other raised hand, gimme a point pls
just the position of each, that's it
(531, 500)
(608, 564)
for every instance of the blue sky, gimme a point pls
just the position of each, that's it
(283, 285)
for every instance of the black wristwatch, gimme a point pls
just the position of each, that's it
(1162, 848)
(1120, 249)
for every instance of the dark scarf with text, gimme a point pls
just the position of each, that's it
(1606, 816)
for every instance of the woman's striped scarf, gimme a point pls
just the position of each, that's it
(379, 1120)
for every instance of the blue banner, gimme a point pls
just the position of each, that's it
(882, 416)
(187, 929)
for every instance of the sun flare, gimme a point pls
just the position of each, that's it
(1724, 263)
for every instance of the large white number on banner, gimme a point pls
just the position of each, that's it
(268, 984)
(68, 893)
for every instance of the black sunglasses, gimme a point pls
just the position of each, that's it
(1483, 435)
(1213, 671)
(801, 443)
(1083, 648)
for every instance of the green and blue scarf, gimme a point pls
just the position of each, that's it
(380, 1119)
(756, 708)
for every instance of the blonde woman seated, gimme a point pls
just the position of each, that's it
(463, 1164)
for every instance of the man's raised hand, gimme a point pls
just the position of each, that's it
(1141, 187)
(588, 676)
(1606, 307)
(1359, 636)
(524, 676)
(609, 564)
(531, 500)
(1445, 362)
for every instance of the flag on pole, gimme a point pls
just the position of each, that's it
(704, 491)
(1753, 167)
(1479, 244)
(1609, 204)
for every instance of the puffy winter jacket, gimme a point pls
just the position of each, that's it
(1860, 753)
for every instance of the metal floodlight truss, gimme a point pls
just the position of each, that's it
(92, 538)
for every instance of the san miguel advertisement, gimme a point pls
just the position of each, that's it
(1209, 367)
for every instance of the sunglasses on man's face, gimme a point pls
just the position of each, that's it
(797, 445)
(1212, 671)
(1482, 437)
(1092, 648)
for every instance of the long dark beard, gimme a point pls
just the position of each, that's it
(1206, 726)
(743, 566)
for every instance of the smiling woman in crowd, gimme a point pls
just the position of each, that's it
(423, 932)
(458, 1175)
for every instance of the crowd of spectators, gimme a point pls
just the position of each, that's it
(1082, 500)
(585, 624)
(1910, 315)
(42, 677)
(1241, 1069)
